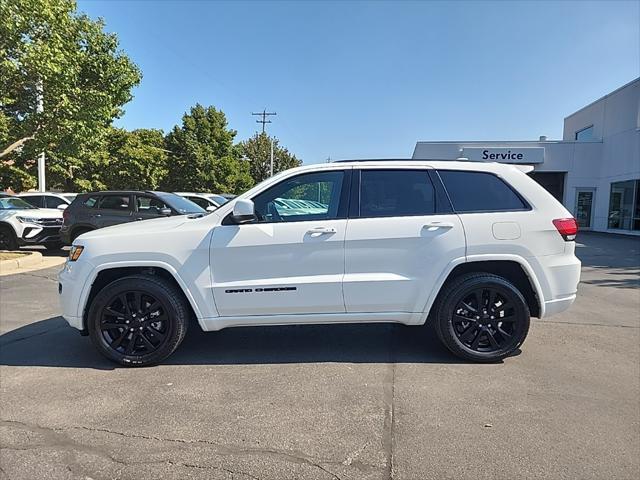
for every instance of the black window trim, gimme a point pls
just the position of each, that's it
(343, 203)
(527, 208)
(441, 207)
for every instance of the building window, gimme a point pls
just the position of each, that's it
(624, 205)
(585, 134)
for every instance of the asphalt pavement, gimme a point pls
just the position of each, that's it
(329, 402)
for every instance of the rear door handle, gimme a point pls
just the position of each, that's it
(437, 224)
(321, 230)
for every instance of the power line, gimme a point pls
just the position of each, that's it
(264, 114)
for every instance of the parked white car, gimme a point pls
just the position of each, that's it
(48, 199)
(474, 248)
(23, 224)
(208, 201)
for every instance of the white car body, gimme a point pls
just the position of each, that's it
(388, 269)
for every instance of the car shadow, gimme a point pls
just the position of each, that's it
(52, 343)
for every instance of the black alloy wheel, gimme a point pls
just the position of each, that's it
(134, 323)
(138, 320)
(8, 239)
(483, 317)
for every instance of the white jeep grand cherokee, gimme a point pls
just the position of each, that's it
(475, 248)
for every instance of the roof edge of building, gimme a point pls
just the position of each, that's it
(628, 84)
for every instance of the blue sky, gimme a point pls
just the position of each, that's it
(369, 79)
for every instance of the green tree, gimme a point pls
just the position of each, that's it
(257, 150)
(201, 152)
(134, 160)
(47, 49)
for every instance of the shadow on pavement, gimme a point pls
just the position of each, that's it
(52, 343)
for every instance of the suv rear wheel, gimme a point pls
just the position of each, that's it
(482, 317)
(138, 320)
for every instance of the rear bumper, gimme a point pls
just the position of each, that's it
(559, 276)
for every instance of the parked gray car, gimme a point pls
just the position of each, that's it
(90, 211)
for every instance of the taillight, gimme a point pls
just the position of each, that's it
(567, 227)
(65, 215)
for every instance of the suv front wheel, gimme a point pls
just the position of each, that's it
(138, 320)
(482, 317)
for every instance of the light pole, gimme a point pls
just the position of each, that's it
(39, 109)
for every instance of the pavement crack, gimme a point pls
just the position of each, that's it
(55, 437)
(585, 324)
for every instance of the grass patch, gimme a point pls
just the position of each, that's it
(11, 255)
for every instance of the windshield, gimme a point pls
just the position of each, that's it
(180, 204)
(219, 199)
(13, 203)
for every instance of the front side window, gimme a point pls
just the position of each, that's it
(115, 202)
(149, 205)
(14, 203)
(54, 202)
(396, 193)
(311, 196)
(624, 205)
(480, 192)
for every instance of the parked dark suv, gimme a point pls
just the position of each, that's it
(90, 211)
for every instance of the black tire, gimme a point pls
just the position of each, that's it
(114, 326)
(8, 239)
(54, 245)
(482, 328)
(76, 233)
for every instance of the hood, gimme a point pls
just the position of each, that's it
(152, 226)
(37, 212)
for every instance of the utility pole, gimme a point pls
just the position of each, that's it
(264, 120)
(39, 109)
(264, 114)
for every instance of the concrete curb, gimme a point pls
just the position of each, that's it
(31, 259)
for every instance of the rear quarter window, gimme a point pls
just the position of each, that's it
(480, 192)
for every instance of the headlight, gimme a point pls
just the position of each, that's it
(75, 252)
(37, 221)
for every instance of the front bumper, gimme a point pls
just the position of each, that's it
(73, 279)
(37, 235)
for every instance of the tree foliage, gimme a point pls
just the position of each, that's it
(48, 49)
(257, 150)
(201, 154)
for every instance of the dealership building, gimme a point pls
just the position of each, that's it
(594, 170)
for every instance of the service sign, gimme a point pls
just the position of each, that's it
(505, 155)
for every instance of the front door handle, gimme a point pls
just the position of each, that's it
(437, 224)
(321, 230)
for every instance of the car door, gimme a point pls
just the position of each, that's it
(148, 207)
(291, 259)
(401, 235)
(113, 209)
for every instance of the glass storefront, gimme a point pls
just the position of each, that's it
(624, 205)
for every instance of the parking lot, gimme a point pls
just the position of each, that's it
(330, 402)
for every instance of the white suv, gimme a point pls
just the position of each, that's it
(23, 224)
(474, 248)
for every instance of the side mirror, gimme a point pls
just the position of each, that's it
(210, 208)
(165, 211)
(62, 206)
(243, 211)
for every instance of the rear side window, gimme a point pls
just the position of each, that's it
(115, 202)
(91, 201)
(480, 192)
(35, 200)
(396, 193)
